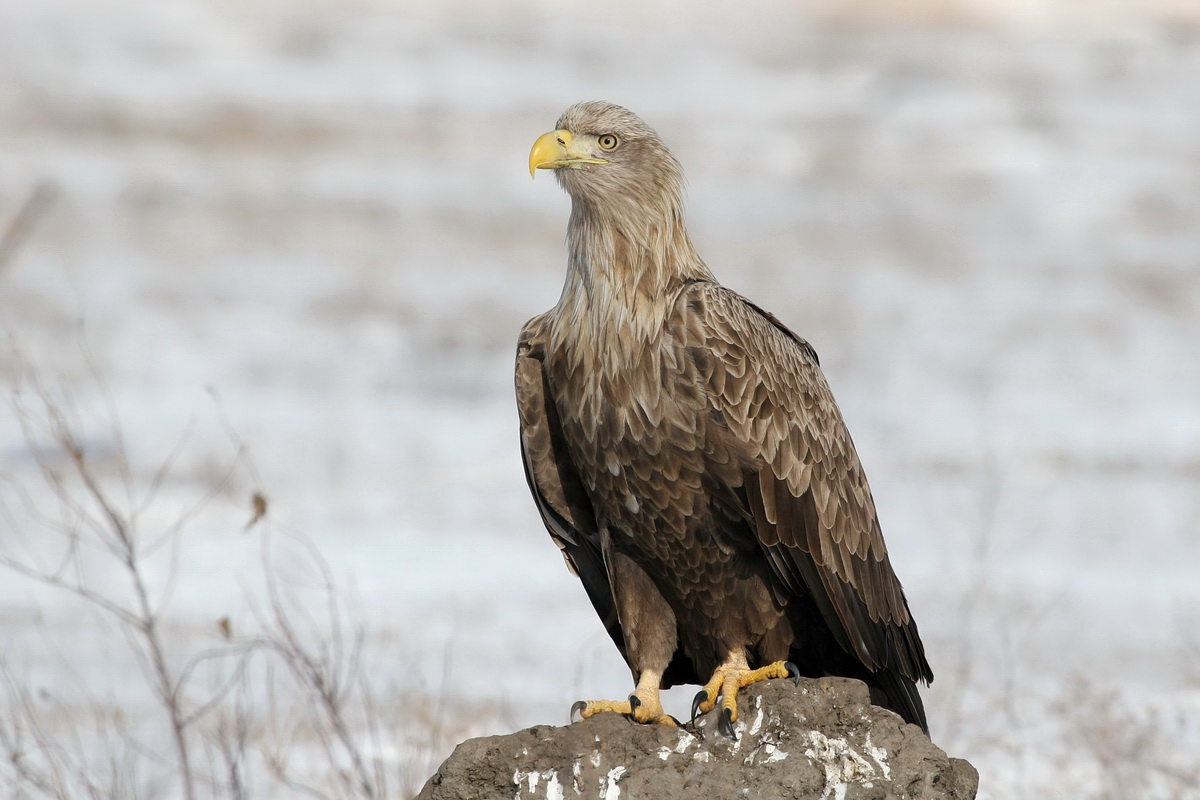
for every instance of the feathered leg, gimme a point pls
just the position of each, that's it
(648, 624)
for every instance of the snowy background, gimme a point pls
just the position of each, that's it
(306, 230)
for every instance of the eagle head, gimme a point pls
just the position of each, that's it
(605, 156)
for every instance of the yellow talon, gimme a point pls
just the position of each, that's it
(728, 678)
(590, 708)
(642, 706)
(780, 669)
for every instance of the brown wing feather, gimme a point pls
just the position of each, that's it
(564, 505)
(805, 490)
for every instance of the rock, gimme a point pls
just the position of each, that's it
(822, 739)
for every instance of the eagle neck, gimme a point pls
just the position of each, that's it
(622, 272)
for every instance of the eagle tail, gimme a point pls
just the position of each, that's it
(897, 693)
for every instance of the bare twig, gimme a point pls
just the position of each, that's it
(39, 201)
(295, 679)
(115, 530)
(323, 669)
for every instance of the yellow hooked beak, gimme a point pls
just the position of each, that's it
(558, 149)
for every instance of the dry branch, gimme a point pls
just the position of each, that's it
(17, 232)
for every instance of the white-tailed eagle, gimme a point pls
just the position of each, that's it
(688, 457)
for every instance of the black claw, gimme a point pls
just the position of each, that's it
(678, 724)
(634, 702)
(725, 724)
(577, 708)
(700, 697)
(793, 671)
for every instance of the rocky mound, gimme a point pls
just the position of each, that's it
(821, 740)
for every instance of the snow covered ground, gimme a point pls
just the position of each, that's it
(307, 228)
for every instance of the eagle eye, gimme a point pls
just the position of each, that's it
(608, 141)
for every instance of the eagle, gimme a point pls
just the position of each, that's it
(687, 456)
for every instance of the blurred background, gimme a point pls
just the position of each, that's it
(287, 248)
